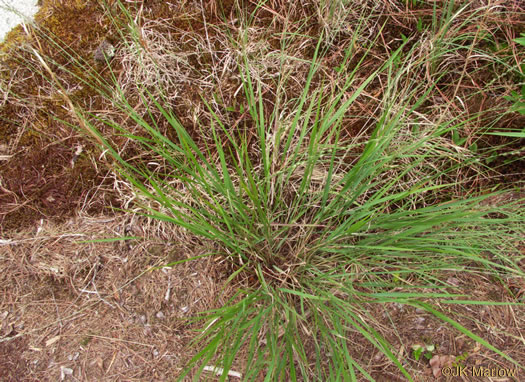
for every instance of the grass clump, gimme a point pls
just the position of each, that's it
(315, 225)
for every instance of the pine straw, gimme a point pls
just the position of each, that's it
(99, 308)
